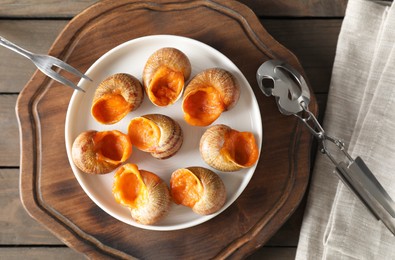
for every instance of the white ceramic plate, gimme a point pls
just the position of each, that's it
(130, 57)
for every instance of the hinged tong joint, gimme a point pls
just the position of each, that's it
(292, 95)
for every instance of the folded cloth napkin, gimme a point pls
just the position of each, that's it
(361, 112)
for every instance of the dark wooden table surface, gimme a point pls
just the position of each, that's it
(307, 28)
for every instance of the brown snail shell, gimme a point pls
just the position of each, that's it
(198, 188)
(208, 94)
(143, 192)
(164, 76)
(100, 152)
(226, 149)
(115, 97)
(157, 134)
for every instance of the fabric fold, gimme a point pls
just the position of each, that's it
(360, 111)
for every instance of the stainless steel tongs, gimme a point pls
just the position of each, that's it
(278, 79)
(45, 64)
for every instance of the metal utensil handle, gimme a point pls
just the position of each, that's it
(6, 43)
(355, 174)
(371, 193)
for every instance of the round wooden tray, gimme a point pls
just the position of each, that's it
(52, 195)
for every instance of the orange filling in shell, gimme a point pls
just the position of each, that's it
(129, 188)
(110, 108)
(185, 188)
(144, 134)
(203, 106)
(241, 148)
(165, 86)
(112, 146)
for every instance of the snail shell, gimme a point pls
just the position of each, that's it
(157, 134)
(208, 94)
(226, 149)
(100, 152)
(198, 188)
(164, 75)
(143, 192)
(115, 97)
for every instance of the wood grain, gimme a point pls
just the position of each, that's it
(12, 253)
(17, 253)
(9, 142)
(17, 227)
(312, 41)
(274, 253)
(58, 201)
(288, 234)
(316, 39)
(299, 8)
(48, 8)
(15, 70)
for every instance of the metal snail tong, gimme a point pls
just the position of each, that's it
(277, 78)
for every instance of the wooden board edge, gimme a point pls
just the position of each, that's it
(30, 97)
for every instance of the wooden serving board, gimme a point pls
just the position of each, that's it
(51, 193)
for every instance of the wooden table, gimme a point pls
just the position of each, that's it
(308, 29)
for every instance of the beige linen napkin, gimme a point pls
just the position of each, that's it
(360, 111)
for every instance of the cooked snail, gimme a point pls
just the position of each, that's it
(226, 149)
(164, 75)
(208, 94)
(157, 134)
(198, 188)
(143, 192)
(100, 152)
(115, 97)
